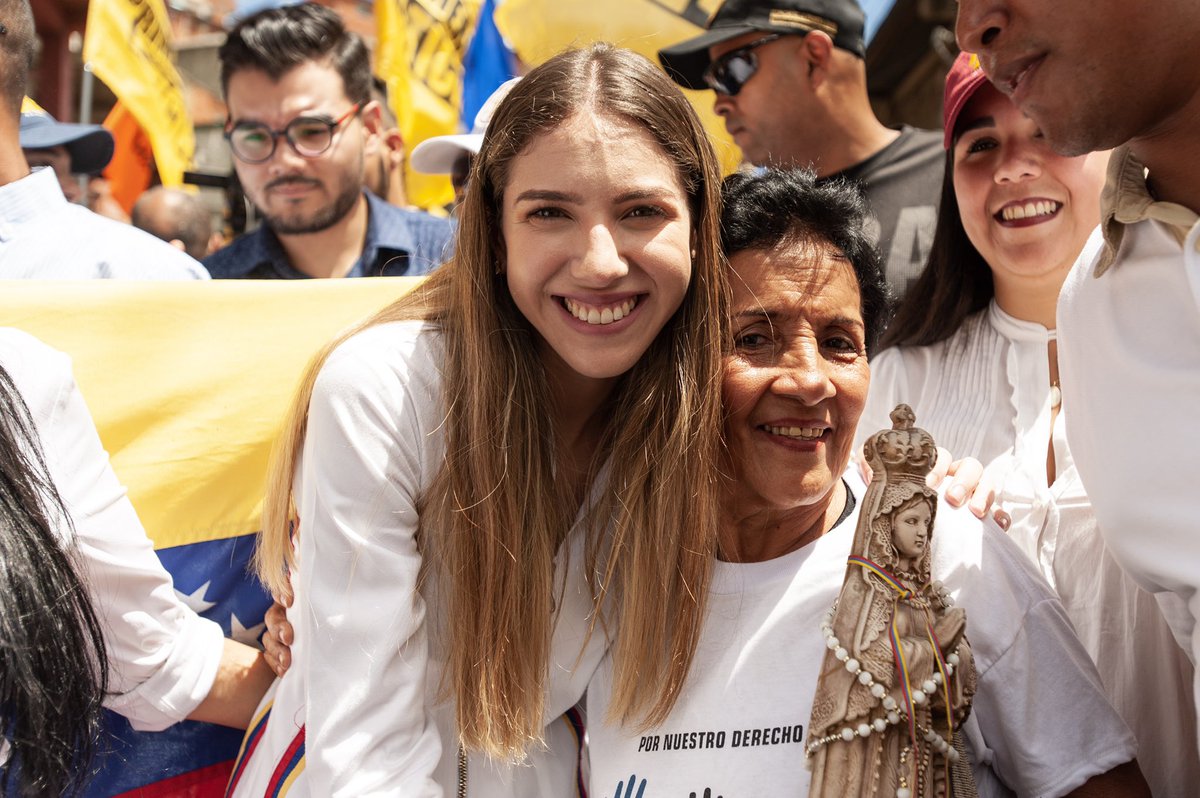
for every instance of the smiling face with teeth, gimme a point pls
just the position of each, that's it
(796, 380)
(597, 236)
(1027, 210)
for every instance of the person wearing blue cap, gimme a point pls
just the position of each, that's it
(791, 83)
(70, 149)
(43, 234)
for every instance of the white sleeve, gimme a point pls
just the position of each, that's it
(1047, 726)
(162, 656)
(368, 730)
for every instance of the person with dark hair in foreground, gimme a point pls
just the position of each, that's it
(301, 122)
(53, 667)
(806, 299)
(80, 572)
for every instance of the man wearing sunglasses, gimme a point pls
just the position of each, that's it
(791, 84)
(301, 121)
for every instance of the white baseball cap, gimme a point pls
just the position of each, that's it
(436, 156)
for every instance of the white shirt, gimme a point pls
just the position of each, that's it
(739, 728)
(977, 392)
(364, 684)
(985, 392)
(162, 656)
(1130, 362)
(45, 237)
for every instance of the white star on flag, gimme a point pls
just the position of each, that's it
(195, 599)
(240, 633)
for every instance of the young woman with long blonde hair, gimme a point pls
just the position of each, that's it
(482, 487)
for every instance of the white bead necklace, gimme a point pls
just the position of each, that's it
(893, 713)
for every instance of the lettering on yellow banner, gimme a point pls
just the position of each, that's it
(155, 50)
(438, 35)
(420, 53)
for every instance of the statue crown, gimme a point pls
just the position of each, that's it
(904, 453)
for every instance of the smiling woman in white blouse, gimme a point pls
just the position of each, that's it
(973, 351)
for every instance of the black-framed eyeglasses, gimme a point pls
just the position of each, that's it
(309, 136)
(728, 73)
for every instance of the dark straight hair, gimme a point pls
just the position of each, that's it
(278, 40)
(955, 283)
(53, 669)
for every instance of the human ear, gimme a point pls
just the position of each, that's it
(393, 145)
(372, 118)
(818, 52)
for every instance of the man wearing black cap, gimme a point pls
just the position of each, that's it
(42, 234)
(791, 84)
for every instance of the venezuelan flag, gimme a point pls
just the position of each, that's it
(188, 383)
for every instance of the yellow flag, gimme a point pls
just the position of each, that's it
(188, 381)
(128, 44)
(420, 54)
(537, 29)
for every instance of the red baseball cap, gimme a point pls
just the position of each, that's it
(962, 81)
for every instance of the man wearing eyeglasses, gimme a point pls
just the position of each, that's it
(298, 88)
(791, 84)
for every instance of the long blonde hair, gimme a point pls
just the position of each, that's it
(495, 514)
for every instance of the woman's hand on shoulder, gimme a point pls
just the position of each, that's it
(277, 639)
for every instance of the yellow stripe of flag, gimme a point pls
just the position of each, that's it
(188, 382)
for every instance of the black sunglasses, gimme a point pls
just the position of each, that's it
(730, 72)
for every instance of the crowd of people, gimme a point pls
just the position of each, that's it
(572, 517)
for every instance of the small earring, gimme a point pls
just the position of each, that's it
(693, 253)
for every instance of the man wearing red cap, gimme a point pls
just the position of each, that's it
(1095, 75)
(791, 84)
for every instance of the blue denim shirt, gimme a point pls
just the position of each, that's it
(399, 243)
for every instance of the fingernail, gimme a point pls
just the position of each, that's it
(956, 494)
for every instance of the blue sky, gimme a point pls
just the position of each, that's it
(876, 11)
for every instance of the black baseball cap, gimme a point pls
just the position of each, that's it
(843, 20)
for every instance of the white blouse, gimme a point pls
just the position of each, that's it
(985, 392)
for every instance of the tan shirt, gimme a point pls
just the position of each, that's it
(1127, 200)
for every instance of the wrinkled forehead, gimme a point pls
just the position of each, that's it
(799, 265)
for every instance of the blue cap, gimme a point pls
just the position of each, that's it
(90, 146)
